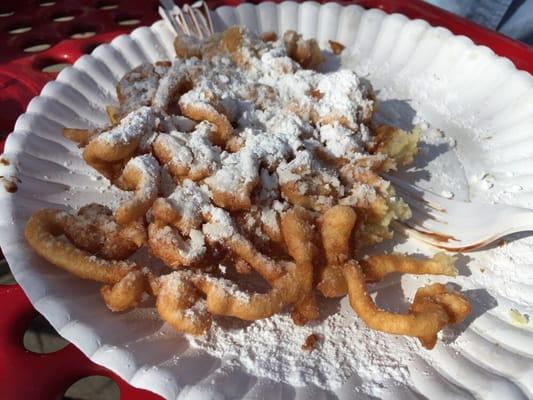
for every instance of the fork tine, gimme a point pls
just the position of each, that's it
(182, 20)
(203, 18)
(192, 20)
(432, 200)
(428, 222)
(204, 9)
(421, 207)
(197, 19)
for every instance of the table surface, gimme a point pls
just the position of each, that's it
(41, 37)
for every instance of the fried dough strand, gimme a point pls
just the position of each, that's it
(336, 229)
(433, 308)
(143, 175)
(122, 290)
(296, 227)
(376, 267)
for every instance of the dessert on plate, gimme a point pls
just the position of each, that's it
(255, 179)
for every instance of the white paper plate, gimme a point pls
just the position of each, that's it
(475, 97)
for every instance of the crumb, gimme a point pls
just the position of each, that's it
(9, 186)
(517, 318)
(482, 270)
(336, 47)
(501, 242)
(4, 161)
(310, 342)
(316, 94)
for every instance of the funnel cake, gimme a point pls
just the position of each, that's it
(276, 191)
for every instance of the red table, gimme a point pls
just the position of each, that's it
(72, 28)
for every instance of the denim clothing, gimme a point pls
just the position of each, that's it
(513, 18)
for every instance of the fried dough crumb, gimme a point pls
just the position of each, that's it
(9, 186)
(336, 47)
(310, 342)
(517, 318)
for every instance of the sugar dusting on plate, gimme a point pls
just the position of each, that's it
(272, 348)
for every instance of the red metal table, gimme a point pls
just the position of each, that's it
(39, 34)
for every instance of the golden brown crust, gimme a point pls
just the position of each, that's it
(336, 47)
(300, 239)
(174, 305)
(94, 230)
(145, 181)
(307, 53)
(433, 308)
(376, 267)
(42, 231)
(126, 293)
(207, 112)
(80, 136)
(336, 228)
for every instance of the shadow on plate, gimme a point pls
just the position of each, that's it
(481, 301)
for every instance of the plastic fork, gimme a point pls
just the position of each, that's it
(458, 225)
(193, 20)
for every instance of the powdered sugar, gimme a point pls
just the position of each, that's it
(137, 88)
(177, 123)
(133, 127)
(225, 287)
(192, 151)
(280, 112)
(169, 84)
(190, 251)
(272, 348)
(199, 309)
(239, 171)
(343, 94)
(147, 184)
(270, 219)
(174, 282)
(220, 226)
(189, 200)
(341, 142)
(145, 163)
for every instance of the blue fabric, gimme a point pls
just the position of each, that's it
(513, 18)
